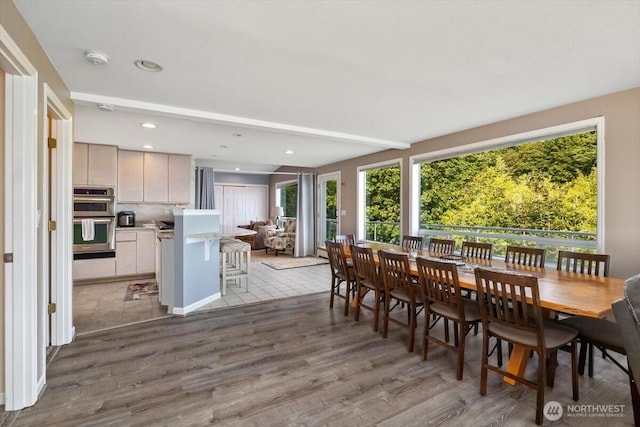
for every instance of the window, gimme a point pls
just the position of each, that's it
(287, 197)
(534, 191)
(379, 202)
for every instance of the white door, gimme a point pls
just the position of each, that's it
(328, 206)
(234, 205)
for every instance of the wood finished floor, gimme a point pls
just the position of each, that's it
(288, 362)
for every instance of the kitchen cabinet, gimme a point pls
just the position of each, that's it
(93, 268)
(135, 251)
(156, 177)
(130, 176)
(179, 179)
(95, 164)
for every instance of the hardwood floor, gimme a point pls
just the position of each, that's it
(289, 362)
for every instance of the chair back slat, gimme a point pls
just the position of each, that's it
(411, 242)
(443, 246)
(396, 272)
(477, 250)
(439, 283)
(584, 263)
(533, 257)
(504, 299)
(345, 239)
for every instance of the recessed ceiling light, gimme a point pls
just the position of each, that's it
(288, 152)
(148, 125)
(237, 135)
(105, 107)
(147, 146)
(224, 146)
(146, 65)
(95, 57)
(237, 169)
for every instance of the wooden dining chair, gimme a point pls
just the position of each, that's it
(599, 333)
(341, 272)
(533, 257)
(367, 280)
(506, 315)
(411, 242)
(585, 263)
(476, 250)
(400, 289)
(345, 239)
(443, 246)
(441, 294)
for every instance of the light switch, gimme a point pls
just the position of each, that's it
(343, 212)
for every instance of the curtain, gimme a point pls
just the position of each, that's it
(204, 188)
(306, 216)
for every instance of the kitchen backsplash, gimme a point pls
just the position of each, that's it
(148, 211)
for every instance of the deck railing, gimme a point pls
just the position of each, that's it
(501, 237)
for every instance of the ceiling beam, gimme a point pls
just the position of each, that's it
(207, 116)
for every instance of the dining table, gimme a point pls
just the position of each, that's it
(560, 291)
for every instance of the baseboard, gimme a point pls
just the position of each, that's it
(183, 311)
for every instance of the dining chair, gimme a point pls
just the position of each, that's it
(367, 279)
(400, 289)
(585, 263)
(411, 242)
(476, 250)
(599, 333)
(341, 272)
(506, 315)
(441, 294)
(443, 246)
(345, 239)
(533, 257)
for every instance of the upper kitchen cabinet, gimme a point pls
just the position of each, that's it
(130, 176)
(95, 164)
(156, 177)
(153, 177)
(179, 179)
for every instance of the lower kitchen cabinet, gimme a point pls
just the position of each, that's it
(135, 251)
(93, 268)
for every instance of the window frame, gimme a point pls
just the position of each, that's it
(593, 124)
(361, 202)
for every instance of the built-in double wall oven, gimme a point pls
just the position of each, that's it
(94, 223)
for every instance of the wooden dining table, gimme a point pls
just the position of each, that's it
(562, 291)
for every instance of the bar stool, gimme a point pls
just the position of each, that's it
(236, 257)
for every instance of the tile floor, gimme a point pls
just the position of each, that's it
(102, 306)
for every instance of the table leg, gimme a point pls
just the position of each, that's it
(517, 362)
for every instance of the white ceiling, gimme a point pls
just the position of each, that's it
(329, 80)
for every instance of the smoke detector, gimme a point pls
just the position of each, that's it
(105, 107)
(95, 57)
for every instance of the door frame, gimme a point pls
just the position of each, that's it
(61, 256)
(20, 287)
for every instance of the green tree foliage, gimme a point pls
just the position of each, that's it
(383, 203)
(547, 185)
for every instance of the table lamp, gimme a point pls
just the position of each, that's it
(277, 212)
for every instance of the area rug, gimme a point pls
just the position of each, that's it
(137, 291)
(283, 263)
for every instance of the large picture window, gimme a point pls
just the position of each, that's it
(379, 204)
(540, 193)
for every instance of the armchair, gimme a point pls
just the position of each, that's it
(281, 240)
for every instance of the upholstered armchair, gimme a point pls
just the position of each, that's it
(261, 228)
(281, 239)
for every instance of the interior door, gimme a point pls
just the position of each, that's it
(328, 206)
